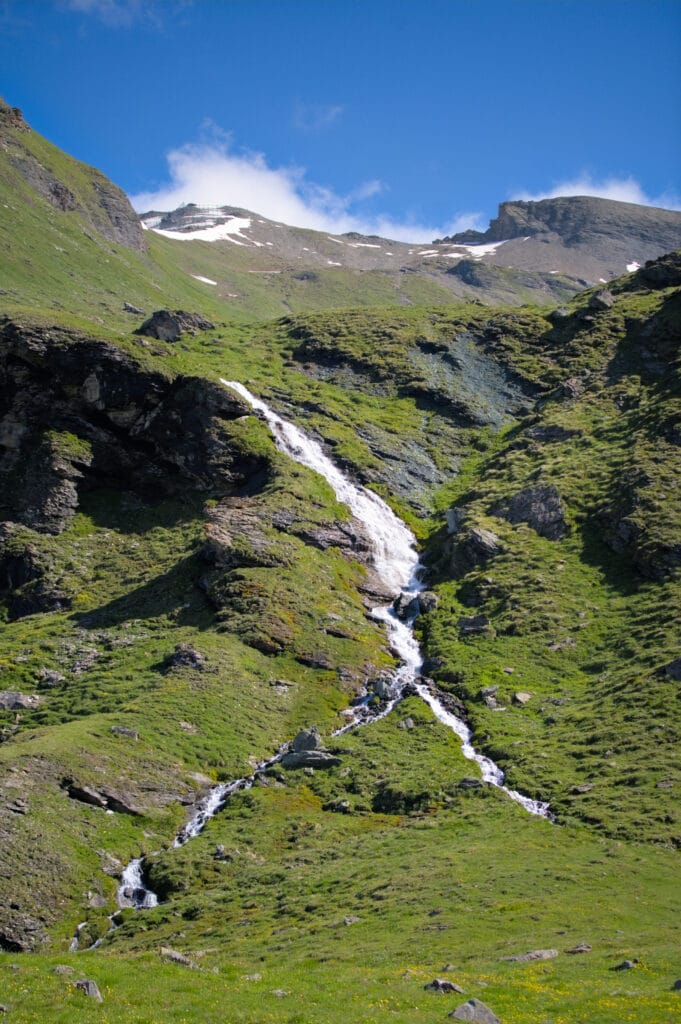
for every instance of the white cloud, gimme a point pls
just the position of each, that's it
(626, 190)
(126, 13)
(212, 174)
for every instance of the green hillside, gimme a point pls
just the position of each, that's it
(178, 599)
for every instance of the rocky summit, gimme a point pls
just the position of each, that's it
(341, 606)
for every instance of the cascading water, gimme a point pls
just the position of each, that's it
(397, 564)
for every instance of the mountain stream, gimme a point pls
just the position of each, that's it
(397, 564)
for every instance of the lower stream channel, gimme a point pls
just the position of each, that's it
(397, 564)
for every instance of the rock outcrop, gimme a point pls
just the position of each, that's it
(540, 507)
(168, 325)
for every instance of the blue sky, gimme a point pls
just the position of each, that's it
(407, 117)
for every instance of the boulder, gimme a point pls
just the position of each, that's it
(476, 1012)
(428, 601)
(307, 739)
(90, 989)
(602, 300)
(122, 730)
(522, 697)
(406, 606)
(129, 308)
(12, 700)
(310, 759)
(540, 507)
(177, 958)
(86, 795)
(472, 548)
(583, 947)
(167, 325)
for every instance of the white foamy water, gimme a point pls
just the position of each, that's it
(397, 563)
(394, 545)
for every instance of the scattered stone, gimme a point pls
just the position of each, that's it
(122, 730)
(406, 723)
(676, 987)
(442, 985)
(170, 326)
(508, 671)
(18, 806)
(185, 656)
(49, 678)
(534, 954)
(583, 947)
(89, 988)
(522, 697)
(177, 958)
(468, 782)
(583, 787)
(96, 901)
(280, 993)
(253, 977)
(476, 1012)
(351, 919)
(63, 969)
(109, 864)
(188, 727)
(129, 308)
(626, 965)
(448, 967)
(12, 700)
(475, 547)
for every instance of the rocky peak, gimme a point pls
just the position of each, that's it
(575, 219)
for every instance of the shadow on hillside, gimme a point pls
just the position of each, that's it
(174, 593)
(618, 572)
(127, 512)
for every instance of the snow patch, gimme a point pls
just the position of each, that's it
(230, 231)
(334, 264)
(206, 280)
(631, 267)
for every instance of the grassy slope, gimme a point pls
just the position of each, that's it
(456, 877)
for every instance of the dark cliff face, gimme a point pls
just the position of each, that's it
(68, 185)
(77, 412)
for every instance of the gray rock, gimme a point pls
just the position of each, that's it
(428, 601)
(351, 919)
(63, 969)
(307, 739)
(602, 300)
(583, 947)
(406, 606)
(583, 787)
(122, 730)
(540, 507)
(310, 759)
(476, 1012)
(185, 656)
(522, 697)
(339, 806)
(90, 989)
(86, 795)
(382, 687)
(676, 987)
(455, 519)
(12, 700)
(468, 782)
(129, 308)
(167, 325)
(177, 958)
(406, 723)
(50, 678)
(626, 965)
